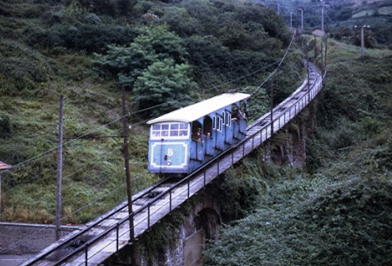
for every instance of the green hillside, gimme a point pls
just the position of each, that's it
(338, 211)
(341, 17)
(88, 50)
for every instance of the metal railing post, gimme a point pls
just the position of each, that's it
(148, 215)
(117, 236)
(204, 176)
(189, 187)
(170, 200)
(261, 136)
(86, 256)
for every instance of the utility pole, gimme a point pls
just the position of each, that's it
(59, 170)
(324, 42)
(323, 5)
(307, 69)
(272, 107)
(363, 38)
(128, 180)
(3, 167)
(325, 56)
(302, 18)
(278, 8)
(291, 19)
(322, 54)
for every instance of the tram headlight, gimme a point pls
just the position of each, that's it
(168, 163)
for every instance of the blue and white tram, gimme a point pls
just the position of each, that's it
(183, 140)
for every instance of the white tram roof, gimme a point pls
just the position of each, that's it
(195, 111)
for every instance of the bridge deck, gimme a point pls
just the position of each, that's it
(112, 233)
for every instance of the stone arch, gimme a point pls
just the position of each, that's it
(210, 222)
(204, 224)
(208, 217)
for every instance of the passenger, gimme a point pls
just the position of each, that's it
(197, 135)
(242, 113)
(235, 115)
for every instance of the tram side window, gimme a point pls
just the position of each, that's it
(217, 123)
(227, 120)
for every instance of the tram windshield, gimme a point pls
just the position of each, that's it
(170, 131)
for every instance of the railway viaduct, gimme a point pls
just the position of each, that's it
(200, 218)
(186, 210)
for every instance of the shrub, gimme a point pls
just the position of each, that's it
(20, 68)
(86, 37)
(181, 22)
(303, 222)
(5, 127)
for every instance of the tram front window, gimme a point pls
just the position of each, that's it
(169, 131)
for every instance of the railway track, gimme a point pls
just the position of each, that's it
(104, 236)
(61, 251)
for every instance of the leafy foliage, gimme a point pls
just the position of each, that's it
(166, 84)
(153, 44)
(227, 39)
(104, 7)
(338, 224)
(154, 67)
(85, 37)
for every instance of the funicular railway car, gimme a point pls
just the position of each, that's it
(185, 139)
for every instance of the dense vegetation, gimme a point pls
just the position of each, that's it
(165, 53)
(338, 211)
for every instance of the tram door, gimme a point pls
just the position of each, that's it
(207, 132)
(235, 122)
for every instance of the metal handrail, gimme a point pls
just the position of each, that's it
(92, 225)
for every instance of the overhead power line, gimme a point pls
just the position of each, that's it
(273, 72)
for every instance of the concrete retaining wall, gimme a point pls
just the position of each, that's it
(17, 238)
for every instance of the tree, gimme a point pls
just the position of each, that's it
(152, 45)
(105, 7)
(166, 83)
